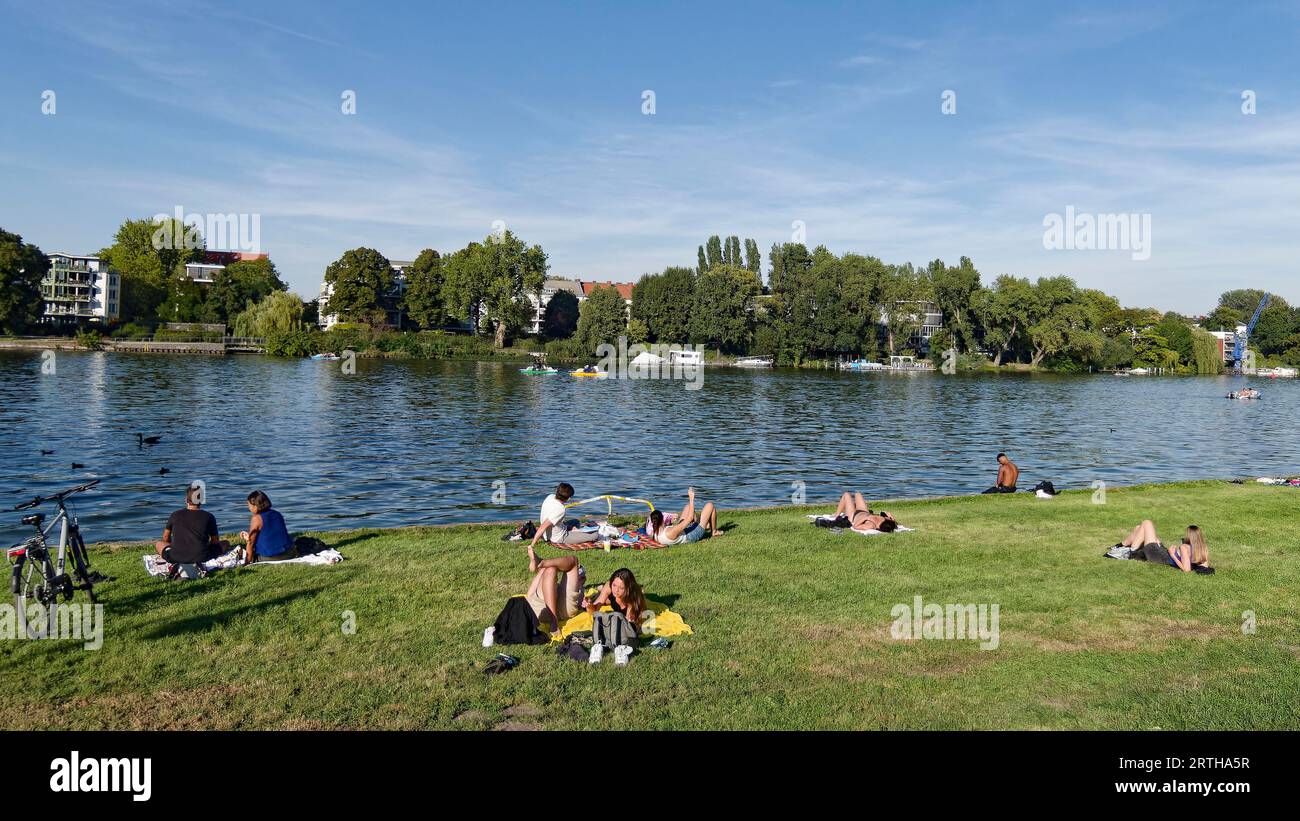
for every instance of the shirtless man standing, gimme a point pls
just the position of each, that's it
(1008, 473)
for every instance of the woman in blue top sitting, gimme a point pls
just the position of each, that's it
(267, 536)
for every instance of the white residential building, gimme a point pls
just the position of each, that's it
(80, 289)
(550, 288)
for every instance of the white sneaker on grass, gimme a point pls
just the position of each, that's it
(597, 653)
(621, 654)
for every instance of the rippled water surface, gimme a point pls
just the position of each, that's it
(414, 442)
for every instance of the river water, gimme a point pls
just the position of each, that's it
(422, 442)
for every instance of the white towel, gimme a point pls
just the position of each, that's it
(155, 565)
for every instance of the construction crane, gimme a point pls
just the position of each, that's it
(1243, 338)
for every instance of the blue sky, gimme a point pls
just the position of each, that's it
(765, 113)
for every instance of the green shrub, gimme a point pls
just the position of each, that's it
(132, 330)
(90, 339)
(566, 350)
(300, 342)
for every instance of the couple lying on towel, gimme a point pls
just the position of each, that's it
(853, 513)
(555, 527)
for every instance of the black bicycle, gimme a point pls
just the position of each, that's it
(38, 577)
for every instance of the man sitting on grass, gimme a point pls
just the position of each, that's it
(1008, 474)
(190, 536)
(555, 526)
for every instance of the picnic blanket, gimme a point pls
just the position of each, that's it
(662, 622)
(156, 565)
(827, 518)
(617, 537)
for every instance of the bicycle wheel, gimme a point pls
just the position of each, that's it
(31, 583)
(81, 564)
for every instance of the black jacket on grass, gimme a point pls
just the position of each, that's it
(517, 624)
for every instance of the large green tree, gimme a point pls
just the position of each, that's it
(236, 285)
(22, 266)
(603, 318)
(278, 314)
(560, 321)
(664, 303)
(1005, 313)
(488, 282)
(361, 280)
(149, 256)
(424, 287)
(723, 312)
(901, 297)
(954, 289)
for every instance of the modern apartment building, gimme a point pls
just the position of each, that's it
(80, 289)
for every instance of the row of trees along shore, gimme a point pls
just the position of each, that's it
(809, 307)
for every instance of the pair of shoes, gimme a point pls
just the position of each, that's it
(501, 664)
(621, 654)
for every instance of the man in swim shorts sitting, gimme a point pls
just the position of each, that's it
(1008, 474)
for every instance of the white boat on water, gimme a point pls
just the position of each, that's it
(754, 362)
(1139, 372)
(1275, 373)
(862, 365)
(686, 358)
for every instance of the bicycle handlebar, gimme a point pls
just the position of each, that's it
(58, 497)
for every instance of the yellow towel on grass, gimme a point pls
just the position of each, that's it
(663, 622)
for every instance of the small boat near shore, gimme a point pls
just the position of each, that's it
(862, 365)
(326, 357)
(754, 362)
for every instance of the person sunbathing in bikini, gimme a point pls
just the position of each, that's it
(855, 514)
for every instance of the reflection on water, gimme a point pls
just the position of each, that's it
(416, 442)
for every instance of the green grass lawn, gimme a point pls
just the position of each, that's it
(792, 629)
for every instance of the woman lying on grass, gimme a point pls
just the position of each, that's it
(854, 513)
(1146, 546)
(688, 528)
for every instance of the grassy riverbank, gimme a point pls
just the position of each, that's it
(792, 630)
